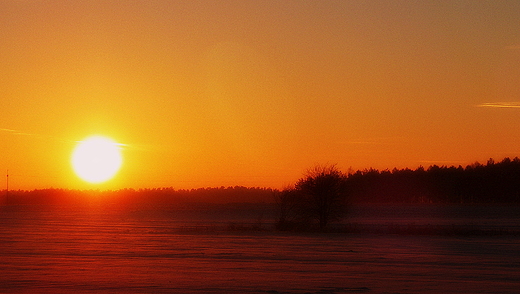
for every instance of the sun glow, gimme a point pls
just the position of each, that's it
(96, 159)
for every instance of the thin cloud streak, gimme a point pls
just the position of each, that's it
(15, 132)
(500, 105)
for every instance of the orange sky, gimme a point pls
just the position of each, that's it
(207, 93)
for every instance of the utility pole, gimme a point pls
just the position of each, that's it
(7, 187)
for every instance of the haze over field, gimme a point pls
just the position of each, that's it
(252, 93)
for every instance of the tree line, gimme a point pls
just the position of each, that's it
(324, 194)
(128, 196)
(493, 182)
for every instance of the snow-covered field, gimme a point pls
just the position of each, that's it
(102, 250)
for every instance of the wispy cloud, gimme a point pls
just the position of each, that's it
(500, 105)
(46, 137)
(15, 132)
(32, 135)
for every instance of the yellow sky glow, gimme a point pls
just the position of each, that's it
(255, 92)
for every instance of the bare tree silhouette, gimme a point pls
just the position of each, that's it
(321, 195)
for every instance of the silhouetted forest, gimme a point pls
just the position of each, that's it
(493, 182)
(156, 196)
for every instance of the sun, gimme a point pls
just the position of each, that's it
(96, 159)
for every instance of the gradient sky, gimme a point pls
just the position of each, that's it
(211, 93)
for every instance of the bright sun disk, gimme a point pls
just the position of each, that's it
(96, 159)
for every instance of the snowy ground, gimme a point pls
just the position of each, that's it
(83, 251)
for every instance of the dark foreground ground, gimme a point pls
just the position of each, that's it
(99, 250)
